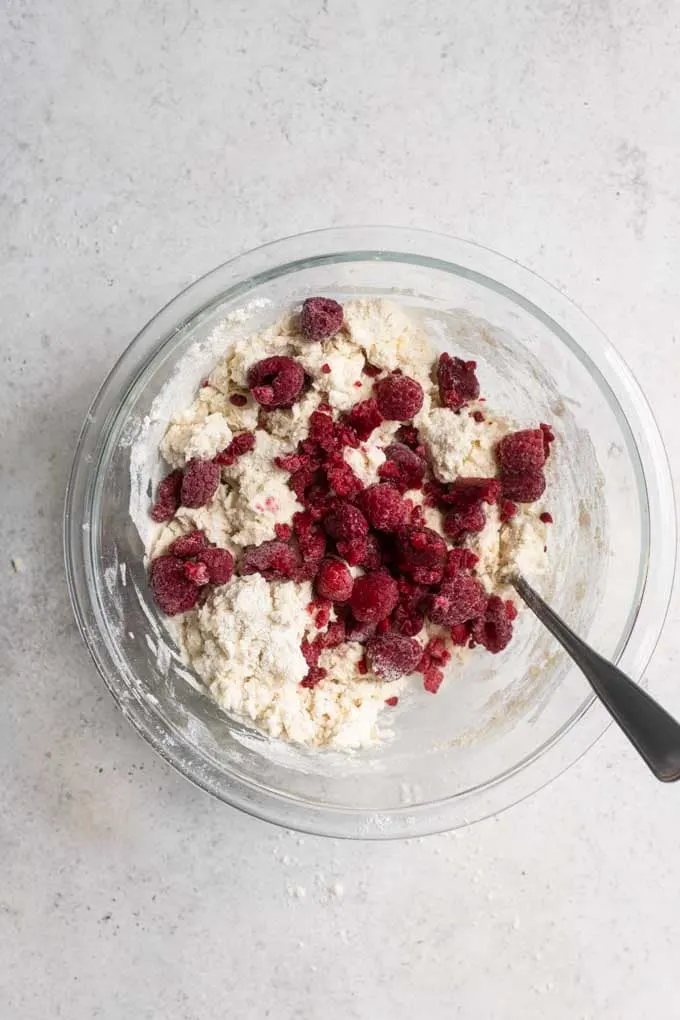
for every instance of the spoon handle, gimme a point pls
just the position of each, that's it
(651, 730)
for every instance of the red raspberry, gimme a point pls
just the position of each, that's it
(197, 572)
(374, 596)
(283, 532)
(353, 550)
(244, 442)
(457, 381)
(383, 507)
(346, 522)
(167, 497)
(200, 482)
(220, 564)
(311, 650)
(342, 479)
(548, 437)
(399, 397)
(372, 556)
(522, 453)
(238, 399)
(418, 517)
(494, 629)
(464, 522)
(432, 679)
(465, 492)
(334, 636)
(546, 517)
(525, 488)
(460, 634)
(392, 701)
(291, 462)
(435, 654)
(310, 537)
(459, 559)
(320, 318)
(460, 599)
(314, 676)
(408, 616)
(325, 368)
(173, 591)
(364, 417)
(510, 609)
(188, 545)
(507, 510)
(359, 630)
(478, 416)
(408, 435)
(274, 560)
(371, 370)
(403, 467)
(276, 382)
(334, 581)
(391, 656)
(421, 553)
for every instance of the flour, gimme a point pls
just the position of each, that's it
(244, 641)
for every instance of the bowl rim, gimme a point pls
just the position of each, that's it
(534, 294)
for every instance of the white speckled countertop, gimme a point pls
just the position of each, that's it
(141, 144)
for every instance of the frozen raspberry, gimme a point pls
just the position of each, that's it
(320, 318)
(362, 667)
(353, 550)
(477, 416)
(334, 581)
(197, 573)
(457, 381)
(346, 522)
(465, 492)
(460, 634)
(510, 609)
(432, 679)
(460, 599)
(546, 517)
(383, 507)
(200, 482)
(417, 516)
(494, 629)
(325, 368)
(459, 559)
(435, 655)
(399, 397)
(364, 417)
(291, 462)
(464, 522)
(188, 545)
(274, 560)
(311, 543)
(314, 676)
(391, 656)
(167, 497)
(173, 591)
(372, 556)
(342, 479)
(359, 630)
(244, 442)
(238, 399)
(323, 616)
(522, 452)
(311, 650)
(374, 596)
(371, 370)
(276, 382)
(403, 467)
(525, 488)
(408, 435)
(421, 553)
(408, 616)
(392, 701)
(283, 531)
(321, 431)
(507, 510)
(334, 636)
(220, 564)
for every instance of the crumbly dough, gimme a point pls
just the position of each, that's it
(244, 641)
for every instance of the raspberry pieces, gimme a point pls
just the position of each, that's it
(403, 467)
(167, 497)
(494, 629)
(421, 553)
(374, 596)
(320, 318)
(457, 381)
(345, 522)
(399, 397)
(200, 482)
(244, 442)
(334, 581)
(188, 545)
(275, 560)
(391, 656)
(173, 591)
(383, 507)
(525, 488)
(276, 382)
(364, 417)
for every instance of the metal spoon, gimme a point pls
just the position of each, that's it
(651, 730)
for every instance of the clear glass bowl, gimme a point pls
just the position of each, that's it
(503, 726)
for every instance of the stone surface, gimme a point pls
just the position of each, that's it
(139, 146)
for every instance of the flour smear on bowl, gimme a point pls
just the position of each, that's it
(340, 515)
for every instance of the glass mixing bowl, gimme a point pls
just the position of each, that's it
(503, 726)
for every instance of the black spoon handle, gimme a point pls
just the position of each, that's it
(651, 730)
